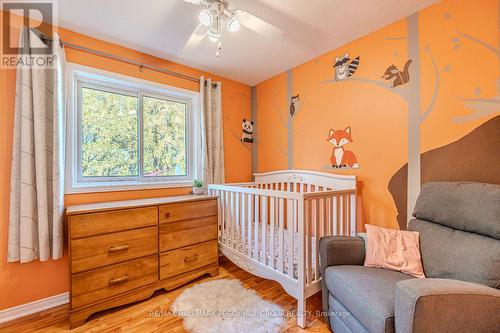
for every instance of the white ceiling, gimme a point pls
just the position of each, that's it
(161, 28)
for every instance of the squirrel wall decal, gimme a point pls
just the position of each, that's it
(400, 77)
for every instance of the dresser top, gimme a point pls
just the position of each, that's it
(112, 205)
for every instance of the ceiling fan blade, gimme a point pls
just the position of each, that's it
(194, 2)
(196, 37)
(258, 25)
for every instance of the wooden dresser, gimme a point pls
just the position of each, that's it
(121, 252)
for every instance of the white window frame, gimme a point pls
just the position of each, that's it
(81, 76)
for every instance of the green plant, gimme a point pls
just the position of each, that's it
(197, 183)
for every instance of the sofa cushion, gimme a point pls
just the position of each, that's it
(341, 319)
(453, 254)
(466, 206)
(367, 292)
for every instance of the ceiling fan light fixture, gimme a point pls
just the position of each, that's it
(213, 35)
(233, 24)
(205, 17)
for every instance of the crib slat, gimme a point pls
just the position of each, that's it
(249, 219)
(263, 212)
(243, 223)
(222, 202)
(256, 227)
(353, 214)
(328, 212)
(272, 218)
(281, 219)
(316, 240)
(338, 224)
(226, 217)
(231, 218)
(237, 221)
(308, 241)
(344, 215)
(290, 220)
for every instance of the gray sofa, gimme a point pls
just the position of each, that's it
(459, 226)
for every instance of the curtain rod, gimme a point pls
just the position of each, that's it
(130, 61)
(125, 60)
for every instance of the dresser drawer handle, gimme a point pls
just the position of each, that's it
(167, 215)
(118, 280)
(191, 259)
(118, 248)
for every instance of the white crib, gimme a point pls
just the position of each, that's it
(272, 227)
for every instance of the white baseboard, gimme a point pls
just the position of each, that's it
(33, 307)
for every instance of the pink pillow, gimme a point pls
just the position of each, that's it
(393, 249)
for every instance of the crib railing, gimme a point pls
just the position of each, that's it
(279, 224)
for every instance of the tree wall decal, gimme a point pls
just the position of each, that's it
(288, 121)
(480, 107)
(411, 94)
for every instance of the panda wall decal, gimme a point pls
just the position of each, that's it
(247, 131)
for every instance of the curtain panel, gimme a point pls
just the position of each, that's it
(37, 178)
(212, 138)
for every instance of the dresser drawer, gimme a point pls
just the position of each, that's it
(187, 211)
(179, 234)
(98, 251)
(97, 285)
(186, 259)
(85, 225)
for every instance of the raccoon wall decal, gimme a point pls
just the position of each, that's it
(344, 67)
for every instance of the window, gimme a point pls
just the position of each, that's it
(127, 132)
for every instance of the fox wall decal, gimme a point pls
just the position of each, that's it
(342, 158)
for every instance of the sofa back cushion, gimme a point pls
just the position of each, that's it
(465, 206)
(454, 254)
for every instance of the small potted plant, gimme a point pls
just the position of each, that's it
(197, 186)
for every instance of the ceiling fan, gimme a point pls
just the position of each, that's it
(216, 16)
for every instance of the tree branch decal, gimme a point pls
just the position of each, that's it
(399, 91)
(480, 42)
(481, 107)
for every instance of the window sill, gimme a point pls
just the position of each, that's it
(125, 186)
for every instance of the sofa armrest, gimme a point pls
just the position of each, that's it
(444, 305)
(339, 250)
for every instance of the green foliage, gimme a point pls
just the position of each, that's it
(197, 183)
(110, 135)
(164, 137)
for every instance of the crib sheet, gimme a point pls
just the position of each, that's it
(242, 247)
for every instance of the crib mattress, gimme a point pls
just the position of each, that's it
(242, 247)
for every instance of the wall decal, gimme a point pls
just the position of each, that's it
(344, 67)
(456, 161)
(480, 107)
(410, 93)
(247, 133)
(341, 158)
(400, 77)
(293, 101)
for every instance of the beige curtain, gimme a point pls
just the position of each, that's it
(37, 179)
(212, 139)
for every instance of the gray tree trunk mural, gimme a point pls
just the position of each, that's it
(410, 93)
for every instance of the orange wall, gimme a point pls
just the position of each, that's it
(377, 116)
(22, 283)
